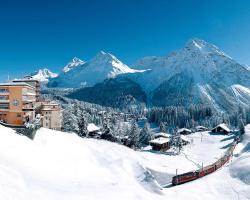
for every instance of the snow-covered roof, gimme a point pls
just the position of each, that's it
(183, 137)
(200, 127)
(92, 127)
(160, 140)
(162, 134)
(223, 126)
(184, 129)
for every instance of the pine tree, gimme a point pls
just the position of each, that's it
(133, 137)
(145, 135)
(163, 127)
(82, 124)
(241, 127)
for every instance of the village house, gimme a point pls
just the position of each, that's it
(17, 103)
(51, 115)
(160, 144)
(161, 134)
(94, 131)
(184, 131)
(221, 128)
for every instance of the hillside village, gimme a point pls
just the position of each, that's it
(22, 105)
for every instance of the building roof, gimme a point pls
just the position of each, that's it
(201, 127)
(16, 84)
(184, 129)
(223, 126)
(25, 80)
(161, 134)
(160, 140)
(92, 127)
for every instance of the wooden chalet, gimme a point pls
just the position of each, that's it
(221, 128)
(160, 144)
(94, 131)
(184, 131)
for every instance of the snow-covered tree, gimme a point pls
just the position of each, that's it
(134, 136)
(145, 135)
(82, 124)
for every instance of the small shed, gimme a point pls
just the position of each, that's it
(201, 128)
(184, 131)
(94, 131)
(221, 128)
(160, 144)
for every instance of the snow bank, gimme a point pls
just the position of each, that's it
(63, 166)
(59, 166)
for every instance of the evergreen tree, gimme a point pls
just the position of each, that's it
(82, 124)
(163, 127)
(145, 135)
(241, 127)
(133, 137)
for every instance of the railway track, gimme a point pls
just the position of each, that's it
(204, 171)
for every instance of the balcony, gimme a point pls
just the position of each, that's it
(4, 100)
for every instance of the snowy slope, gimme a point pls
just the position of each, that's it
(60, 166)
(43, 75)
(101, 67)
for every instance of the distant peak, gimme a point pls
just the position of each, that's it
(77, 60)
(199, 45)
(74, 63)
(103, 56)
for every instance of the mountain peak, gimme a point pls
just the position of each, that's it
(74, 63)
(199, 45)
(43, 75)
(103, 57)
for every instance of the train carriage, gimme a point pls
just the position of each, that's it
(183, 178)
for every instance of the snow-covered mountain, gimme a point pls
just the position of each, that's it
(101, 67)
(74, 63)
(43, 75)
(199, 73)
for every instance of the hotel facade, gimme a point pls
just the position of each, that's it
(17, 103)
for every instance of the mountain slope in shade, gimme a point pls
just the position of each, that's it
(43, 75)
(101, 67)
(74, 63)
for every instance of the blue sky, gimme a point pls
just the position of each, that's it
(45, 33)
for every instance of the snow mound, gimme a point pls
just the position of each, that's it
(240, 169)
(63, 166)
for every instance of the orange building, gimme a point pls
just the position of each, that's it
(32, 82)
(17, 103)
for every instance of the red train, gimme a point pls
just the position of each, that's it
(190, 176)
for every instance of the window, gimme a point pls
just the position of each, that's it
(4, 105)
(18, 115)
(4, 97)
(47, 124)
(4, 90)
